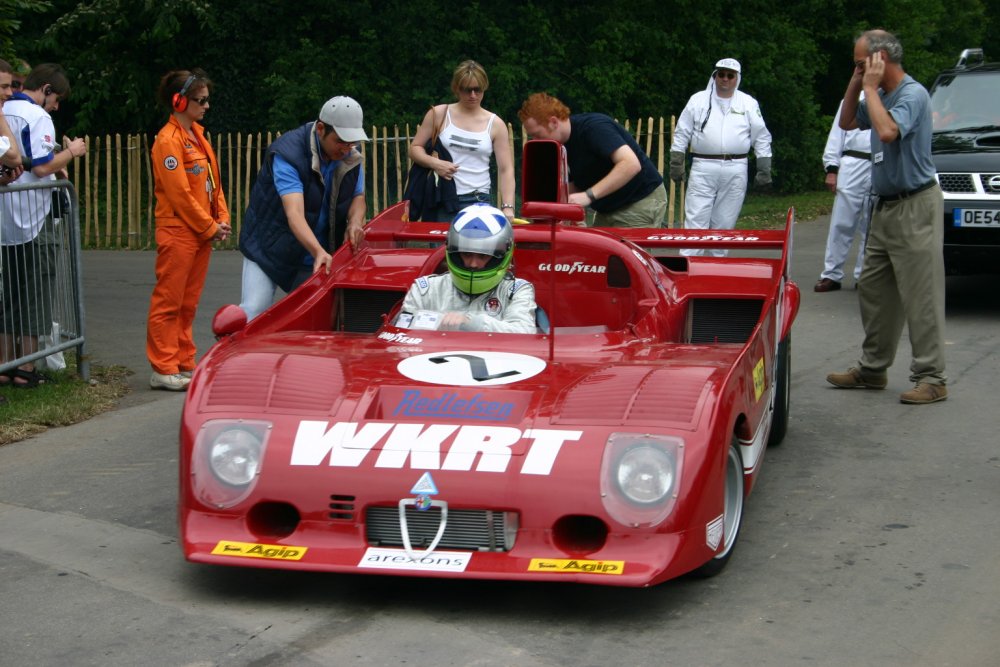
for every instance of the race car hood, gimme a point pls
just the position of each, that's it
(321, 376)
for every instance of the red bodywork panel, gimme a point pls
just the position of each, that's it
(513, 440)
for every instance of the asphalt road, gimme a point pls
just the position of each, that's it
(871, 539)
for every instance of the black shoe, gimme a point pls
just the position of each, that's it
(826, 285)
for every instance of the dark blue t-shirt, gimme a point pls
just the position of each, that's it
(593, 138)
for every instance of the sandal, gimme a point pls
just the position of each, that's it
(31, 378)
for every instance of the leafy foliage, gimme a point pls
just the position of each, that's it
(274, 62)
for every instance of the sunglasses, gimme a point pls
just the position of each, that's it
(201, 101)
(472, 90)
(725, 75)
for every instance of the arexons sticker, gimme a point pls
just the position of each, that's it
(466, 368)
(252, 550)
(398, 559)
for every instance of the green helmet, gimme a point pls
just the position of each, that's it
(484, 230)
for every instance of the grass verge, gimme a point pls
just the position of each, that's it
(767, 211)
(66, 401)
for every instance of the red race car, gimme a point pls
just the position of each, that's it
(616, 445)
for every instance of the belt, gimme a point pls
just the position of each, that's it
(908, 193)
(723, 156)
(858, 154)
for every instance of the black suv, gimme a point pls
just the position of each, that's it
(965, 101)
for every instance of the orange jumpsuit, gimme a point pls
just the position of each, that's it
(189, 208)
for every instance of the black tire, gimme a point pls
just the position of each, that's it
(732, 513)
(782, 395)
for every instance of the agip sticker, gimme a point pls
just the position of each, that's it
(576, 566)
(252, 550)
(758, 380)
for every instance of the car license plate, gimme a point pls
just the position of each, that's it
(976, 217)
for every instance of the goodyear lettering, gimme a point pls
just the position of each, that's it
(427, 447)
(252, 550)
(700, 237)
(574, 566)
(415, 404)
(575, 267)
(400, 338)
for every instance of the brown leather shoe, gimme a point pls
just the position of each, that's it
(855, 378)
(924, 392)
(826, 285)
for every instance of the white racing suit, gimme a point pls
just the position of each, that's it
(845, 151)
(720, 128)
(507, 308)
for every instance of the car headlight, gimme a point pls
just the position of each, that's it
(640, 477)
(227, 459)
(645, 474)
(235, 456)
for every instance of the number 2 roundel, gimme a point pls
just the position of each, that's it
(471, 368)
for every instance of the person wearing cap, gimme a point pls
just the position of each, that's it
(720, 124)
(608, 171)
(191, 213)
(903, 277)
(307, 200)
(848, 163)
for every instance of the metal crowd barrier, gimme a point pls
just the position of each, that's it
(41, 278)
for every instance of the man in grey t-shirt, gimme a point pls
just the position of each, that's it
(902, 280)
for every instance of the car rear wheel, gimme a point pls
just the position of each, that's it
(732, 513)
(782, 395)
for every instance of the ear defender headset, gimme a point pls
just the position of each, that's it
(180, 100)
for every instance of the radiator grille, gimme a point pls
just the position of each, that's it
(724, 320)
(469, 530)
(956, 182)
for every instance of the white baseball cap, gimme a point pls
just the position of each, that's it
(729, 63)
(344, 115)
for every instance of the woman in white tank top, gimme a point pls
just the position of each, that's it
(471, 134)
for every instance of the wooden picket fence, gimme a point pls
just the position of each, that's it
(114, 180)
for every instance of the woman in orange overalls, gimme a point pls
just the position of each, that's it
(191, 213)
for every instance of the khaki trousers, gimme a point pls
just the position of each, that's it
(903, 281)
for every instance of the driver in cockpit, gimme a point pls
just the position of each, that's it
(479, 292)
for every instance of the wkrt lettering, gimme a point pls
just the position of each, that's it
(427, 447)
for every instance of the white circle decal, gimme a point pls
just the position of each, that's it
(170, 162)
(467, 368)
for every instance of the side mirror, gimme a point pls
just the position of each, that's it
(546, 211)
(228, 320)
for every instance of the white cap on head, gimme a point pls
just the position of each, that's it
(729, 63)
(344, 115)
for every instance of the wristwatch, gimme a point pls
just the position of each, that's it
(590, 193)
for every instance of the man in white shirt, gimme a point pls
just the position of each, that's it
(720, 124)
(848, 164)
